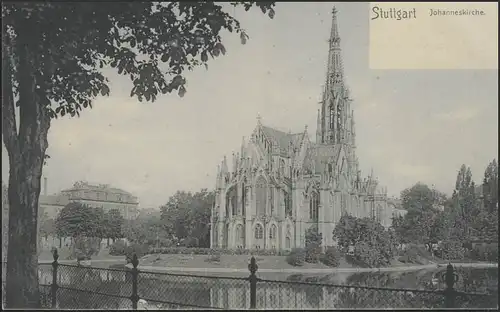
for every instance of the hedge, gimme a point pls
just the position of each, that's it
(221, 251)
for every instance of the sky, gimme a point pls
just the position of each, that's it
(411, 125)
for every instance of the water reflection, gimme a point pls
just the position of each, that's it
(235, 294)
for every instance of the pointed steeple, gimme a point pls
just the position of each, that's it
(242, 152)
(224, 168)
(334, 105)
(318, 128)
(335, 67)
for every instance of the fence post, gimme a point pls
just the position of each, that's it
(252, 267)
(135, 274)
(450, 278)
(54, 279)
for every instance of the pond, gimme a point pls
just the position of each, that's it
(232, 293)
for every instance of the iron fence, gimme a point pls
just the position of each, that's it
(64, 286)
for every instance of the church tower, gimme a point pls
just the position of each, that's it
(335, 120)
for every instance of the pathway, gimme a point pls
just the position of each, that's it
(74, 261)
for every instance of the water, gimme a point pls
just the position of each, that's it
(188, 291)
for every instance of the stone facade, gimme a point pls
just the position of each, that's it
(280, 184)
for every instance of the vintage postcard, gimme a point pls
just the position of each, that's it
(250, 155)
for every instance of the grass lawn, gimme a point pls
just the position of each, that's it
(64, 253)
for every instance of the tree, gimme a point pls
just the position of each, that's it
(5, 221)
(48, 228)
(114, 223)
(424, 221)
(52, 56)
(486, 221)
(76, 219)
(465, 205)
(146, 231)
(490, 187)
(372, 243)
(420, 197)
(347, 232)
(84, 224)
(186, 217)
(313, 244)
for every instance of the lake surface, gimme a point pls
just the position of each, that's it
(231, 293)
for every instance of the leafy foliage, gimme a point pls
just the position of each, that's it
(186, 217)
(465, 205)
(485, 223)
(297, 257)
(117, 248)
(209, 251)
(424, 223)
(53, 54)
(348, 232)
(146, 230)
(486, 252)
(331, 257)
(373, 245)
(48, 227)
(135, 249)
(490, 187)
(66, 52)
(313, 244)
(77, 219)
(452, 250)
(112, 224)
(415, 254)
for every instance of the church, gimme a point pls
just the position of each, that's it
(280, 184)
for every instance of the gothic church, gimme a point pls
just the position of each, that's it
(283, 183)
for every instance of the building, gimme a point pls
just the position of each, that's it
(281, 184)
(103, 196)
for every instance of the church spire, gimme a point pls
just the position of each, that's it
(335, 67)
(334, 109)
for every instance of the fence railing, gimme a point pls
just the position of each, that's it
(64, 286)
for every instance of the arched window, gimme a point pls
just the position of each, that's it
(332, 117)
(243, 199)
(314, 206)
(379, 213)
(261, 196)
(216, 237)
(231, 200)
(259, 231)
(282, 168)
(240, 236)
(271, 200)
(272, 232)
(343, 204)
(288, 208)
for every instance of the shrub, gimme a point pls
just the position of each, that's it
(297, 257)
(369, 255)
(117, 248)
(138, 249)
(207, 251)
(452, 250)
(488, 252)
(414, 254)
(331, 257)
(313, 245)
(213, 256)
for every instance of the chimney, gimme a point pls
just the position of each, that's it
(45, 186)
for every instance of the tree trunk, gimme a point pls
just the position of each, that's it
(26, 150)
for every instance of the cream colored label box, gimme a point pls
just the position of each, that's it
(433, 35)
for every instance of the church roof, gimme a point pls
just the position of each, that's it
(282, 139)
